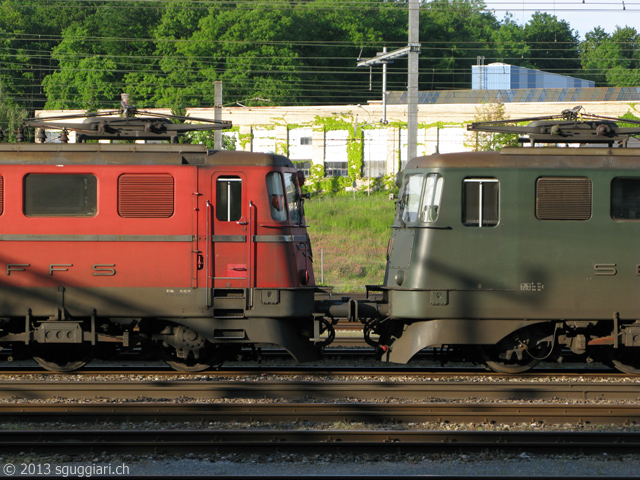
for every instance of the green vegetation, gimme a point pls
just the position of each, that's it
(489, 141)
(69, 54)
(353, 235)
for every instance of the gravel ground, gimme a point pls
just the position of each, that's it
(282, 464)
(464, 464)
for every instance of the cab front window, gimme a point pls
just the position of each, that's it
(276, 196)
(409, 204)
(431, 198)
(294, 202)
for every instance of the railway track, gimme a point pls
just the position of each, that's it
(373, 413)
(256, 441)
(259, 388)
(416, 371)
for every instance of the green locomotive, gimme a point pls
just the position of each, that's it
(511, 256)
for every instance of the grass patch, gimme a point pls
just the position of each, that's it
(353, 234)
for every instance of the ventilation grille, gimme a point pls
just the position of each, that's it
(563, 199)
(145, 195)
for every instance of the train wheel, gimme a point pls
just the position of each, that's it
(626, 360)
(518, 352)
(213, 355)
(63, 357)
(496, 360)
(185, 350)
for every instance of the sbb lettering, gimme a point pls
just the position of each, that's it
(605, 269)
(611, 269)
(97, 270)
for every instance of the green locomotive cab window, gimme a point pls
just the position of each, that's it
(60, 195)
(409, 204)
(625, 198)
(480, 202)
(228, 199)
(276, 196)
(563, 198)
(431, 198)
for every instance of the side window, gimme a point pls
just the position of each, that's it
(480, 202)
(410, 198)
(276, 196)
(625, 198)
(431, 199)
(229, 199)
(60, 195)
(563, 198)
(145, 195)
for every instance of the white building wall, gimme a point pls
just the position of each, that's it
(374, 152)
(264, 140)
(301, 143)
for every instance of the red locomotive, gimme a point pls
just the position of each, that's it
(189, 251)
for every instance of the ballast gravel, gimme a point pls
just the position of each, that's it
(524, 464)
(462, 463)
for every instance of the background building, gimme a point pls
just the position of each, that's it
(345, 138)
(502, 76)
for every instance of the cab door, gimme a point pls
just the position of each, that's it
(230, 231)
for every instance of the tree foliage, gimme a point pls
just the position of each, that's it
(11, 116)
(612, 59)
(490, 141)
(70, 54)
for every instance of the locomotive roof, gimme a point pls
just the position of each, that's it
(132, 154)
(540, 157)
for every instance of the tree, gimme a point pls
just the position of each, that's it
(613, 59)
(591, 57)
(510, 43)
(11, 116)
(28, 32)
(454, 33)
(553, 43)
(489, 141)
(96, 54)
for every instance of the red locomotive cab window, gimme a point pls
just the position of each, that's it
(275, 190)
(60, 195)
(229, 199)
(294, 202)
(145, 195)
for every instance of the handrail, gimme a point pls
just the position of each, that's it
(250, 242)
(208, 253)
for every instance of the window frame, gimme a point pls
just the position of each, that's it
(237, 215)
(276, 193)
(481, 200)
(611, 198)
(429, 212)
(40, 209)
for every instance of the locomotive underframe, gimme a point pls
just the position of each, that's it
(132, 317)
(411, 326)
